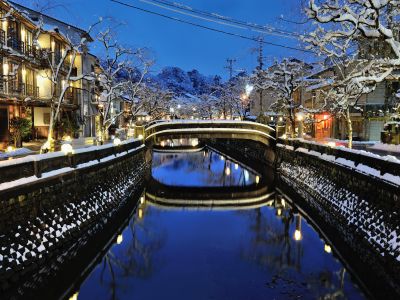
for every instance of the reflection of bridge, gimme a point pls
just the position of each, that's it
(209, 197)
(210, 129)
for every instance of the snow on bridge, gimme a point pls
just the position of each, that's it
(210, 129)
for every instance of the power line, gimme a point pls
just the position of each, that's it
(208, 28)
(211, 17)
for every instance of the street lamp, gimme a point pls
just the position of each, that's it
(300, 117)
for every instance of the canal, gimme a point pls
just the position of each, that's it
(210, 227)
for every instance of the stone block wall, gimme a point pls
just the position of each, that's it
(362, 209)
(46, 226)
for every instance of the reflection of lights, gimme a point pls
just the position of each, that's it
(284, 136)
(162, 144)
(117, 142)
(327, 248)
(142, 200)
(228, 171)
(67, 138)
(257, 179)
(74, 296)
(222, 158)
(120, 238)
(67, 149)
(280, 119)
(246, 175)
(140, 137)
(236, 166)
(297, 235)
(140, 213)
(279, 211)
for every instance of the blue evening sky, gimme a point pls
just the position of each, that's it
(176, 44)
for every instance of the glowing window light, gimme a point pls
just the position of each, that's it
(257, 179)
(140, 213)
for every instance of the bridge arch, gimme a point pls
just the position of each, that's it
(203, 129)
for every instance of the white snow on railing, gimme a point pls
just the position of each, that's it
(26, 180)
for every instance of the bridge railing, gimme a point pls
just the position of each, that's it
(207, 124)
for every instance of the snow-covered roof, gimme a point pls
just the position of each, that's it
(54, 25)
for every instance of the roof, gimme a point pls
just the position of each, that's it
(73, 32)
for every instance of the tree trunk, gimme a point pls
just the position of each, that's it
(349, 128)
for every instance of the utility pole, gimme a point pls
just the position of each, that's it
(229, 67)
(260, 67)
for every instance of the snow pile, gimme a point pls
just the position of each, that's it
(16, 152)
(386, 148)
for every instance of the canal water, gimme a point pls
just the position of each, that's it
(193, 247)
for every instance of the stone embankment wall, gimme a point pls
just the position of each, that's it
(361, 204)
(64, 218)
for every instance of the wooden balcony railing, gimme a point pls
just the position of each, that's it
(31, 90)
(73, 95)
(14, 43)
(2, 37)
(16, 87)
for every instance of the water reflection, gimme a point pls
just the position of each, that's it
(267, 251)
(200, 168)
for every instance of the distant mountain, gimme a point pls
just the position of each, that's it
(181, 82)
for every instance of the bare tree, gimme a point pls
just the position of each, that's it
(283, 79)
(348, 33)
(61, 75)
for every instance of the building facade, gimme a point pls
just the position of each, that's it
(26, 88)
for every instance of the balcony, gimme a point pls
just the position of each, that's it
(16, 88)
(31, 91)
(72, 96)
(14, 43)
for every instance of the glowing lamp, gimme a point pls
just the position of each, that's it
(279, 212)
(140, 137)
(236, 166)
(257, 179)
(327, 248)
(117, 142)
(67, 149)
(195, 142)
(10, 149)
(141, 200)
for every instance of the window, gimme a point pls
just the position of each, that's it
(46, 118)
